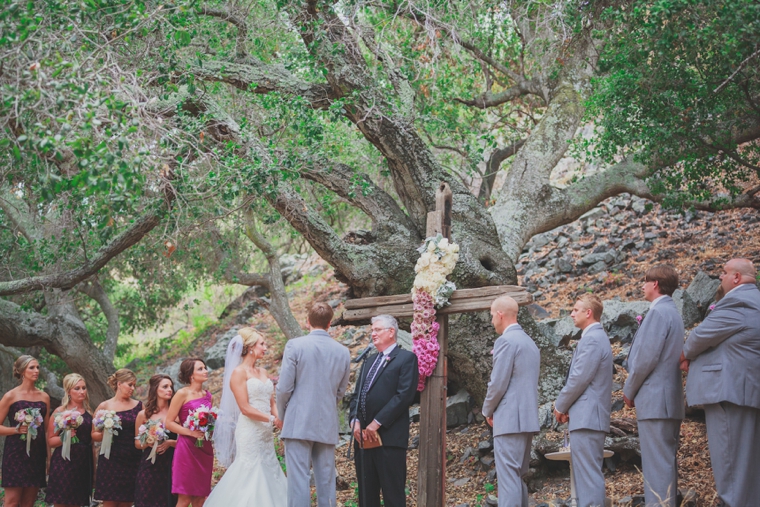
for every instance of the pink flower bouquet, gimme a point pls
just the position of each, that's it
(32, 418)
(65, 423)
(202, 419)
(152, 434)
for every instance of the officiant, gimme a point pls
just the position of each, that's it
(379, 415)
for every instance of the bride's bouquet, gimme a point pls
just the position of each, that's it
(32, 418)
(65, 423)
(202, 419)
(152, 433)
(108, 422)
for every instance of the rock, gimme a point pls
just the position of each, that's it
(619, 318)
(485, 447)
(491, 475)
(597, 268)
(486, 463)
(593, 258)
(546, 416)
(701, 290)
(690, 498)
(638, 206)
(690, 312)
(564, 265)
(592, 214)
(492, 501)
(617, 404)
(414, 413)
(173, 372)
(415, 442)
(216, 354)
(461, 482)
(540, 240)
(404, 338)
(537, 312)
(466, 454)
(457, 409)
(559, 331)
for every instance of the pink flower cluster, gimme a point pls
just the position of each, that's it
(425, 335)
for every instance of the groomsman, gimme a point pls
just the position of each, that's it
(586, 401)
(724, 377)
(379, 414)
(655, 388)
(511, 404)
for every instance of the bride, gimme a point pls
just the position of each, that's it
(244, 430)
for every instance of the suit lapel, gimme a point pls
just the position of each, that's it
(384, 365)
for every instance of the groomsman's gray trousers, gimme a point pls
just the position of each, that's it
(512, 453)
(587, 453)
(300, 456)
(733, 435)
(659, 446)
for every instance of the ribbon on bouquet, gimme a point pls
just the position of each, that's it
(66, 447)
(152, 455)
(29, 439)
(105, 447)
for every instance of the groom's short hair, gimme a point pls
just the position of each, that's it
(320, 315)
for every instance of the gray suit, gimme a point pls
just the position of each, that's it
(512, 401)
(587, 398)
(724, 376)
(654, 384)
(313, 377)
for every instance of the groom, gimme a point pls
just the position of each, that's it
(313, 377)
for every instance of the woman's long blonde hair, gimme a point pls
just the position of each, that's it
(69, 381)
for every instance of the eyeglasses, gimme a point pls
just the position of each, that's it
(378, 329)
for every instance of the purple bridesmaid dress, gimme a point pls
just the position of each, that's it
(70, 482)
(20, 470)
(192, 467)
(115, 477)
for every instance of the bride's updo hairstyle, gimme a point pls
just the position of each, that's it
(122, 375)
(19, 367)
(250, 338)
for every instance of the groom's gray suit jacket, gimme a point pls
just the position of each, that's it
(313, 377)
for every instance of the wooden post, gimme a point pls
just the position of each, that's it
(431, 474)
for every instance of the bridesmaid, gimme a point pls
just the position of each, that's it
(70, 481)
(23, 475)
(154, 480)
(191, 471)
(115, 477)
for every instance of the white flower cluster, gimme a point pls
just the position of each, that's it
(436, 262)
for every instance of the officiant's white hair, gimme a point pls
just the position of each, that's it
(388, 321)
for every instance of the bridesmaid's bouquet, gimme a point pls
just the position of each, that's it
(108, 422)
(152, 433)
(65, 423)
(202, 419)
(32, 418)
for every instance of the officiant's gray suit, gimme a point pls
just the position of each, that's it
(587, 398)
(654, 384)
(313, 377)
(512, 401)
(724, 376)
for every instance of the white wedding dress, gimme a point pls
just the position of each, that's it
(255, 478)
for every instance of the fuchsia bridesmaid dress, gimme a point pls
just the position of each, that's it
(192, 467)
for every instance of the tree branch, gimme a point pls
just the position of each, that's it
(257, 77)
(52, 387)
(279, 306)
(492, 168)
(489, 99)
(95, 290)
(233, 18)
(68, 279)
(231, 271)
(12, 206)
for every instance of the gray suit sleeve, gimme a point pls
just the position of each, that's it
(725, 321)
(585, 365)
(346, 373)
(646, 351)
(287, 382)
(503, 363)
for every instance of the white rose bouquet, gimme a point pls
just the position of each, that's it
(66, 422)
(108, 422)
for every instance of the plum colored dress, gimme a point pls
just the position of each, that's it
(70, 482)
(20, 470)
(154, 480)
(191, 471)
(115, 478)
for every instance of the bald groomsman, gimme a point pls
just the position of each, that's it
(511, 404)
(724, 376)
(586, 401)
(655, 388)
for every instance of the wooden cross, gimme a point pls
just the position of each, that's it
(431, 474)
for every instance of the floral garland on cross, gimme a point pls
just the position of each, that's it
(431, 290)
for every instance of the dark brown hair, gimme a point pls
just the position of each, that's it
(665, 276)
(121, 375)
(593, 303)
(187, 368)
(151, 406)
(320, 315)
